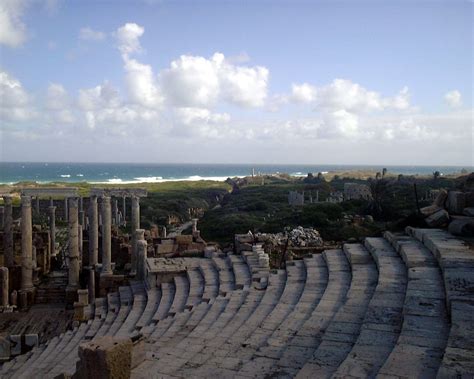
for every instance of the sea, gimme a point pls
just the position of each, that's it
(127, 173)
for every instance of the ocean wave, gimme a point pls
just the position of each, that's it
(159, 179)
(80, 175)
(65, 176)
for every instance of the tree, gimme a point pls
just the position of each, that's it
(384, 172)
(378, 176)
(436, 175)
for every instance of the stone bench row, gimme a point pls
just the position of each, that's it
(456, 260)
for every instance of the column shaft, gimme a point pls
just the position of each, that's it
(26, 245)
(73, 277)
(106, 236)
(141, 261)
(52, 229)
(93, 232)
(9, 260)
(135, 224)
(4, 286)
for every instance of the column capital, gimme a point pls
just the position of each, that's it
(73, 202)
(25, 201)
(7, 199)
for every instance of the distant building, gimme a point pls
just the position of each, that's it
(356, 191)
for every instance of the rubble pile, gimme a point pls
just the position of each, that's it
(454, 208)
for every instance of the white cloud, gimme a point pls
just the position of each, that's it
(128, 38)
(244, 86)
(88, 34)
(14, 100)
(303, 93)
(347, 95)
(101, 96)
(194, 81)
(453, 99)
(12, 29)
(200, 122)
(141, 84)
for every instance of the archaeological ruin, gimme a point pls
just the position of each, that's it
(153, 304)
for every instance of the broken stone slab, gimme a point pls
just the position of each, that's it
(15, 344)
(106, 357)
(441, 198)
(4, 349)
(429, 210)
(438, 218)
(468, 211)
(31, 341)
(456, 202)
(462, 227)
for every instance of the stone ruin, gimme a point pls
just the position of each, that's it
(396, 306)
(454, 208)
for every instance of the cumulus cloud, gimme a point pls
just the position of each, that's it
(88, 34)
(347, 95)
(128, 38)
(15, 104)
(453, 99)
(141, 84)
(194, 81)
(199, 122)
(12, 28)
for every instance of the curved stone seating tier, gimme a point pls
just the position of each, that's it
(456, 261)
(382, 322)
(181, 284)
(397, 306)
(422, 340)
(344, 328)
(196, 287)
(153, 296)
(268, 354)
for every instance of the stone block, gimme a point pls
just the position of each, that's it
(468, 211)
(438, 218)
(4, 349)
(105, 358)
(15, 344)
(31, 341)
(462, 227)
(456, 202)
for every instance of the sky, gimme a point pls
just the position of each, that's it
(314, 82)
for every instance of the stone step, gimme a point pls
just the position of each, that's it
(422, 340)
(383, 319)
(301, 347)
(344, 328)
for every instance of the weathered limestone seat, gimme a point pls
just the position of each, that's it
(382, 322)
(343, 330)
(398, 306)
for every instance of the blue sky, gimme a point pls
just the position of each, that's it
(294, 81)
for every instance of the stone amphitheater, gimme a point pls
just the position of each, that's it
(401, 306)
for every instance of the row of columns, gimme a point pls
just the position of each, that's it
(75, 217)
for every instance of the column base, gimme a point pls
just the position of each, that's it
(71, 294)
(26, 297)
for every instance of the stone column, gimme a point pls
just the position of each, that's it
(73, 275)
(9, 260)
(26, 245)
(124, 209)
(37, 204)
(81, 244)
(135, 224)
(4, 286)
(93, 232)
(163, 232)
(195, 222)
(2, 218)
(106, 236)
(115, 212)
(141, 261)
(66, 216)
(52, 229)
(91, 286)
